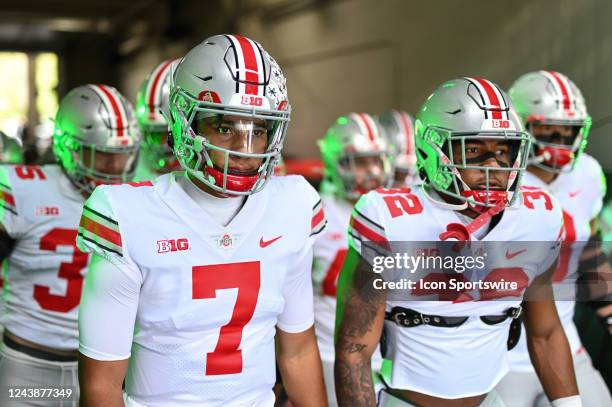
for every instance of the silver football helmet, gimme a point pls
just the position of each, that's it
(95, 121)
(459, 111)
(349, 138)
(399, 129)
(551, 98)
(152, 100)
(230, 85)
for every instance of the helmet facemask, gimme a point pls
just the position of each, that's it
(80, 163)
(442, 170)
(349, 172)
(196, 151)
(558, 157)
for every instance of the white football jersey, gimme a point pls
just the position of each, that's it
(44, 273)
(580, 193)
(469, 359)
(329, 253)
(195, 303)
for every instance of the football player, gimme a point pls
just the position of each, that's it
(156, 156)
(11, 152)
(356, 160)
(554, 112)
(399, 130)
(200, 271)
(95, 142)
(449, 347)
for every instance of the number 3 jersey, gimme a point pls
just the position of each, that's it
(580, 193)
(44, 273)
(469, 359)
(192, 303)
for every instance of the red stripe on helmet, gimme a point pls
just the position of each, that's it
(493, 99)
(364, 117)
(156, 82)
(563, 87)
(115, 107)
(407, 130)
(251, 71)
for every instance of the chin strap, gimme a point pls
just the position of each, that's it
(463, 233)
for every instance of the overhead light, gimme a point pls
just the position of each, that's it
(71, 24)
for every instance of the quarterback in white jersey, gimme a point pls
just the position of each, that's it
(156, 156)
(199, 271)
(356, 159)
(448, 346)
(554, 111)
(95, 142)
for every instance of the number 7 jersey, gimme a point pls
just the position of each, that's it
(195, 304)
(43, 278)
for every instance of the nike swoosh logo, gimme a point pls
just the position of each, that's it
(263, 243)
(573, 194)
(511, 255)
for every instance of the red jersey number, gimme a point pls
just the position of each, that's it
(400, 201)
(330, 284)
(206, 280)
(30, 172)
(69, 271)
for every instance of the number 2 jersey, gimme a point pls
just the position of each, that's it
(580, 193)
(43, 276)
(192, 303)
(469, 359)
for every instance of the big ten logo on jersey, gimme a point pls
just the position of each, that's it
(401, 201)
(172, 245)
(47, 211)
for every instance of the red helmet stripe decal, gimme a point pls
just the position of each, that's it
(494, 101)
(406, 125)
(154, 95)
(251, 69)
(563, 88)
(114, 106)
(370, 126)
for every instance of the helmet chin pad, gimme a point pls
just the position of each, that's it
(239, 183)
(483, 196)
(555, 157)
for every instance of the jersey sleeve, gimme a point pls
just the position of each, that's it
(99, 230)
(112, 283)
(298, 314)
(556, 234)
(366, 233)
(600, 189)
(9, 214)
(108, 309)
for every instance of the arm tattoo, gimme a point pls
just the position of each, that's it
(354, 384)
(352, 371)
